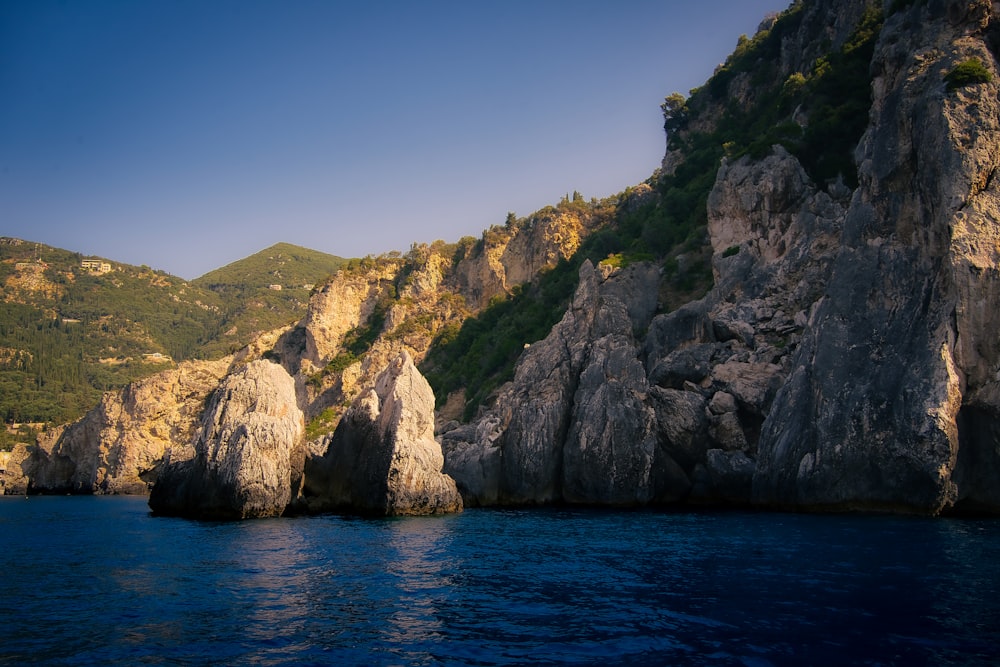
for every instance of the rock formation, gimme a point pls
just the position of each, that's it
(573, 425)
(15, 470)
(383, 459)
(118, 446)
(846, 357)
(248, 454)
(893, 398)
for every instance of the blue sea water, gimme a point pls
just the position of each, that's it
(97, 580)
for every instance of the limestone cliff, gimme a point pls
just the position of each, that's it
(846, 357)
(573, 425)
(248, 454)
(118, 446)
(15, 470)
(383, 458)
(838, 169)
(893, 398)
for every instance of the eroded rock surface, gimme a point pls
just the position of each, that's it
(383, 459)
(119, 445)
(247, 456)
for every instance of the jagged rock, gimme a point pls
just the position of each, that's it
(472, 459)
(574, 425)
(339, 306)
(731, 476)
(15, 470)
(609, 450)
(383, 458)
(118, 446)
(245, 454)
(690, 364)
(727, 432)
(753, 385)
(721, 403)
(870, 417)
(682, 424)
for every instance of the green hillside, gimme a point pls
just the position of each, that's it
(702, 128)
(73, 326)
(264, 291)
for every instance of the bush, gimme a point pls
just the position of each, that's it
(967, 73)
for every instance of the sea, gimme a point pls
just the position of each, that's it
(99, 581)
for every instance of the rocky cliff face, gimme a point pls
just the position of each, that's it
(119, 445)
(383, 458)
(15, 468)
(892, 402)
(573, 425)
(248, 455)
(847, 356)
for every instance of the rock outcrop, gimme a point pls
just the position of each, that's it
(118, 446)
(15, 470)
(574, 424)
(846, 358)
(248, 455)
(383, 459)
(893, 399)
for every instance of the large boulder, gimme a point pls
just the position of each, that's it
(383, 459)
(248, 453)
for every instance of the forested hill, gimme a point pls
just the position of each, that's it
(72, 326)
(264, 291)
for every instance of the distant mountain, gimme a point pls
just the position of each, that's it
(284, 264)
(264, 291)
(73, 326)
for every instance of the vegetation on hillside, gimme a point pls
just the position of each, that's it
(263, 292)
(69, 330)
(670, 227)
(72, 327)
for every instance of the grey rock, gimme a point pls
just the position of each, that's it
(383, 459)
(251, 438)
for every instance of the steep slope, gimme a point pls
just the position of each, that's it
(797, 311)
(264, 291)
(72, 327)
(846, 357)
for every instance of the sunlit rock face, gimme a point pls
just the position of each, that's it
(249, 445)
(383, 459)
(118, 446)
(847, 357)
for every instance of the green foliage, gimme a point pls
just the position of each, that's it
(479, 355)
(835, 96)
(250, 306)
(967, 73)
(838, 100)
(731, 251)
(67, 333)
(322, 424)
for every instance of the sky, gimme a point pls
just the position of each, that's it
(187, 134)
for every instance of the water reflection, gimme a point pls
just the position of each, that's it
(98, 583)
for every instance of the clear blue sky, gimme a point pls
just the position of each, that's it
(185, 134)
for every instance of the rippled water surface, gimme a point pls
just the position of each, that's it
(98, 581)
